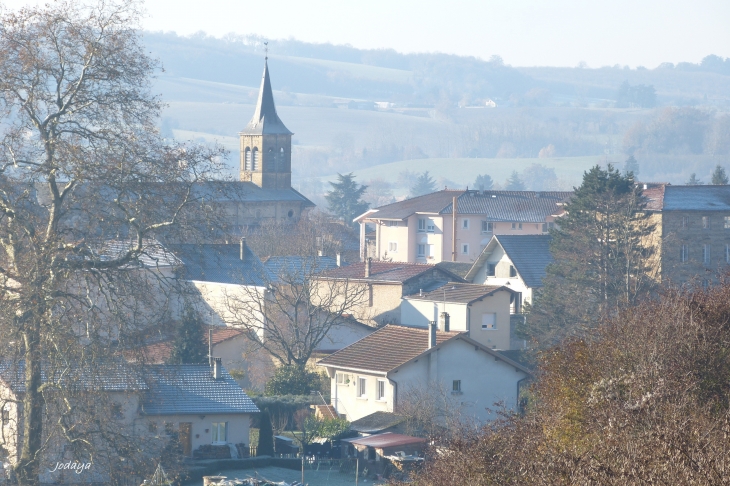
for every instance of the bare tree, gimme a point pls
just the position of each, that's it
(86, 185)
(295, 313)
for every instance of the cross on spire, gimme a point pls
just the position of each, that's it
(266, 50)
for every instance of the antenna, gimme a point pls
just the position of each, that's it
(266, 50)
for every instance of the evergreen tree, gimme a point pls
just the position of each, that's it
(631, 166)
(345, 198)
(424, 184)
(694, 181)
(483, 182)
(719, 177)
(293, 380)
(514, 183)
(601, 256)
(266, 436)
(190, 344)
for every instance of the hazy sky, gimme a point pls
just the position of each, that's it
(523, 32)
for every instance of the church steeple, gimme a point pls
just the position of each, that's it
(266, 143)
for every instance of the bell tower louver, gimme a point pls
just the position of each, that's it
(266, 143)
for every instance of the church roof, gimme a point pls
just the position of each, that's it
(265, 120)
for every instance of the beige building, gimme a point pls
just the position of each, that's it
(692, 231)
(383, 286)
(377, 373)
(455, 225)
(482, 311)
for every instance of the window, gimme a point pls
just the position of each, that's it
(465, 224)
(281, 166)
(512, 271)
(381, 390)
(465, 249)
(393, 223)
(489, 321)
(546, 227)
(684, 253)
(727, 222)
(152, 427)
(705, 222)
(393, 247)
(422, 225)
(430, 226)
(516, 226)
(255, 158)
(487, 227)
(361, 387)
(342, 378)
(169, 428)
(116, 411)
(685, 222)
(491, 267)
(425, 250)
(421, 250)
(220, 432)
(705, 254)
(5, 416)
(247, 159)
(456, 386)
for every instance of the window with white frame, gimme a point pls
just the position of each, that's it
(464, 224)
(705, 222)
(706, 254)
(430, 226)
(516, 226)
(489, 321)
(683, 253)
(393, 246)
(487, 227)
(456, 386)
(465, 249)
(220, 432)
(421, 225)
(342, 378)
(421, 250)
(381, 390)
(361, 387)
(393, 223)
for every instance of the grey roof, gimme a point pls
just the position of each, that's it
(221, 264)
(376, 422)
(191, 389)
(517, 206)
(109, 376)
(153, 253)
(298, 267)
(235, 191)
(530, 255)
(265, 120)
(696, 198)
(460, 293)
(457, 268)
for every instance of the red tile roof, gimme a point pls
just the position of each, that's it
(385, 349)
(160, 352)
(384, 271)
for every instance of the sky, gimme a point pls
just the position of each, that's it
(523, 32)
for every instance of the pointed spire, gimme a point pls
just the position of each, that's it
(265, 119)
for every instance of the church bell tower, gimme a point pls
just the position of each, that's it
(266, 143)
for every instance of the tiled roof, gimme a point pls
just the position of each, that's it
(461, 293)
(298, 267)
(375, 422)
(385, 271)
(107, 376)
(385, 349)
(517, 206)
(153, 253)
(457, 268)
(696, 198)
(160, 352)
(654, 195)
(221, 264)
(191, 389)
(388, 439)
(428, 203)
(530, 254)
(236, 191)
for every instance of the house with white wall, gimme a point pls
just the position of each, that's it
(516, 261)
(455, 225)
(376, 372)
(481, 311)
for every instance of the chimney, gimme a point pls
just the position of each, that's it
(444, 322)
(242, 255)
(339, 259)
(368, 267)
(210, 347)
(431, 334)
(217, 374)
(320, 253)
(420, 292)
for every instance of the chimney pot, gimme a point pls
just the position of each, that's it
(339, 259)
(217, 373)
(431, 334)
(242, 255)
(444, 322)
(320, 253)
(368, 267)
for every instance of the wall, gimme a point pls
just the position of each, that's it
(345, 400)
(501, 274)
(343, 335)
(238, 426)
(484, 382)
(219, 302)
